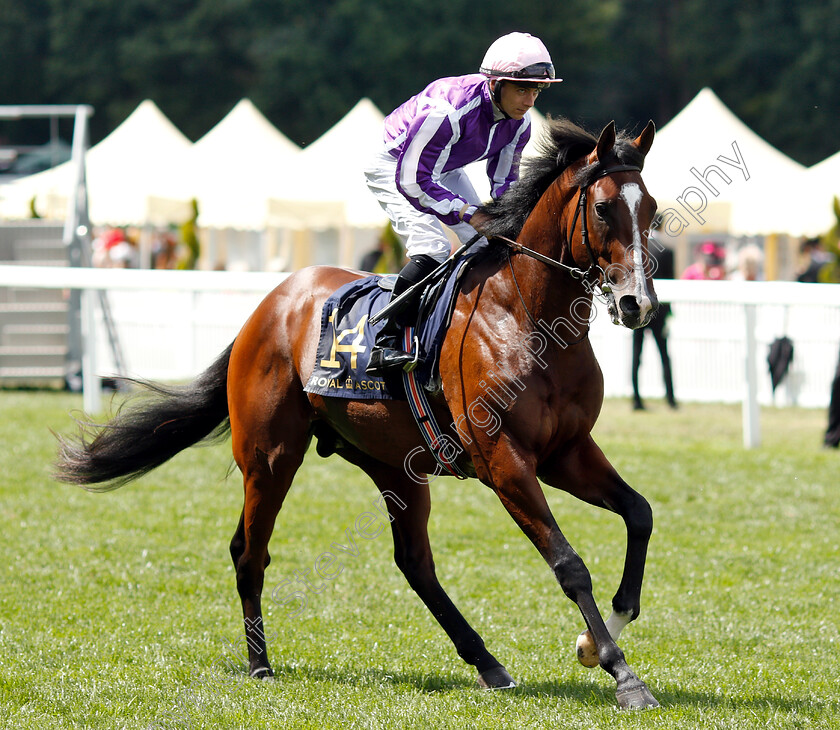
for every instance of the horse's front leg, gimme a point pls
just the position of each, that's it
(584, 471)
(520, 492)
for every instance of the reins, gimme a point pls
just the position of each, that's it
(516, 247)
(531, 319)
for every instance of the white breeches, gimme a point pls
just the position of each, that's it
(421, 233)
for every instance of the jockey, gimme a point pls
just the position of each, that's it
(419, 178)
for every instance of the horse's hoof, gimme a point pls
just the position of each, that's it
(587, 653)
(637, 697)
(263, 673)
(496, 678)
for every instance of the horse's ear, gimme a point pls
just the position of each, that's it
(645, 139)
(605, 143)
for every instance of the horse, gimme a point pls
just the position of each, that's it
(573, 227)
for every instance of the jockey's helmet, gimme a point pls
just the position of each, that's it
(519, 57)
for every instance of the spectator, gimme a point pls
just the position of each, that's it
(750, 264)
(114, 249)
(822, 266)
(817, 258)
(832, 433)
(387, 257)
(710, 263)
(165, 251)
(663, 260)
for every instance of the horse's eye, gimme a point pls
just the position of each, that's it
(601, 210)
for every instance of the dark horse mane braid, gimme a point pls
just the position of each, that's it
(562, 143)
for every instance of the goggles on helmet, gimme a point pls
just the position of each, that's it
(534, 72)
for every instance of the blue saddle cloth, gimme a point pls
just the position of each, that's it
(347, 337)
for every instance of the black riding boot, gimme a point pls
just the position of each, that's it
(388, 353)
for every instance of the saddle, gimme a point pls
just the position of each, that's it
(347, 336)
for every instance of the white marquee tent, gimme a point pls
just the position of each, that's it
(715, 174)
(325, 186)
(822, 185)
(232, 168)
(122, 170)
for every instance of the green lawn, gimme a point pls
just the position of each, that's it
(117, 609)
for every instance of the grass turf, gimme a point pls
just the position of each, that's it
(119, 610)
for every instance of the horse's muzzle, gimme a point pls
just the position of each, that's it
(634, 312)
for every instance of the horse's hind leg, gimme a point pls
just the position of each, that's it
(267, 478)
(409, 506)
(270, 433)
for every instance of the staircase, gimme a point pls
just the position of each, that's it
(34, 323)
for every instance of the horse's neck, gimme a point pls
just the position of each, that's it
(551, 293)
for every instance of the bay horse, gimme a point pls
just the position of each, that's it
(579, 216)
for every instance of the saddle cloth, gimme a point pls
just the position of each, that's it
(347, 337)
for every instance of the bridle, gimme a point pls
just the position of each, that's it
(575, 272)
(580, 212)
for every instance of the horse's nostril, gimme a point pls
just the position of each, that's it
(628, 305)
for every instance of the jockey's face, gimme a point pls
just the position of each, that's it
(515, 101)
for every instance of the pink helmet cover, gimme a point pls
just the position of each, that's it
(519, 57)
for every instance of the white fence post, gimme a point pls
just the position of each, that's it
(750, 412)
(91, 382)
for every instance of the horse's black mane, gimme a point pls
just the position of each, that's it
(561, 144)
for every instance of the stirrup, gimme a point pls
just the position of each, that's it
(389, 356)
(385, 359)
(408, 367)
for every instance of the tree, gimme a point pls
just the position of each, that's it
(23, 45)
(305, 63)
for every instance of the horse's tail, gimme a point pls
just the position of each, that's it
(147, 430)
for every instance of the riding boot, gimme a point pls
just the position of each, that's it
(387, 352)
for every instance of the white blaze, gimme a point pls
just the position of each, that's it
(631, 193)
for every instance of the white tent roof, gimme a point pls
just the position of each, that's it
(248, 131)
(232, 168)
(121, 171)
(822, 184)
(326, 185)
(697, 137)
